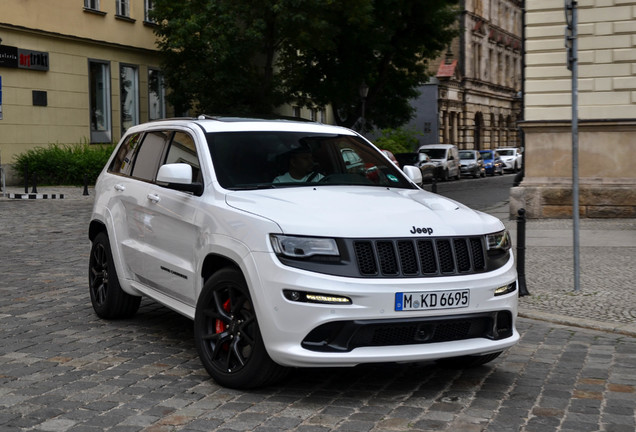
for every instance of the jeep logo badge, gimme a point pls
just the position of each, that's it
(422, 230)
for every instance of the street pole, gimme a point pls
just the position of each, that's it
(572, 61)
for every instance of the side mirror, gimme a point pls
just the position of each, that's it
(413, 173)
(178, 176)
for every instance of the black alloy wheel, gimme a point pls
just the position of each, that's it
(228, 337)
(108, 299)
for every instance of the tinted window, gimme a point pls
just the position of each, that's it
(149, 155)
(122, 163)
(246, 160)
(183, 150)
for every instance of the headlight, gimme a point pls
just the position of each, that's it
(499, 241)
(303, 247)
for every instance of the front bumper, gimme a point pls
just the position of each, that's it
(302, 334)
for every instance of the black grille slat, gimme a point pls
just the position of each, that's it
(461, 254)
(445, 253)
(478, 254)
(408, 257)
(387, 258)
(428, 261)
(420, 257)
(366, 258)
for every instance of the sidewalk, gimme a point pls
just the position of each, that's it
(606, 299)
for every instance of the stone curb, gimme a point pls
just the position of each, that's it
(616, 328)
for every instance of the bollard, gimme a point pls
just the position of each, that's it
(434, 187)
(85, 193)
(521, 252)
(26, 179)
(35, 184)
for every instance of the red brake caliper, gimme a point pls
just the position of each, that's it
(220, 326)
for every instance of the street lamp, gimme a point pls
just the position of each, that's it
(363, 90)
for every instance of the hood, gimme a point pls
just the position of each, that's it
(351, 211)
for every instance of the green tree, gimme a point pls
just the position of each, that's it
(246, 56)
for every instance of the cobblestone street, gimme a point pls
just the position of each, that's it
(64, 369)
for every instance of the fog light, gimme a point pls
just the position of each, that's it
(306, 297)
(506, 289)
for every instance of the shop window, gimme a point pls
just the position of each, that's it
(156, 95)
(99, 101)
(129, 96)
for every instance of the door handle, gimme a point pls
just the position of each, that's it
(120, 188)
(154, 198)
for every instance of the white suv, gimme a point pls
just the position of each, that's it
(331, 266)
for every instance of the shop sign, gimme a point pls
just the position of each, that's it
(13, 57)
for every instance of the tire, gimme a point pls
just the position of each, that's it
(108, 299)
(467, 362)
(227, 335)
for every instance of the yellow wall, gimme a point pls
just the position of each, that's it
(71, 36)
(69, 18)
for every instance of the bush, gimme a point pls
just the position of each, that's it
(63, 164)
(398, 140)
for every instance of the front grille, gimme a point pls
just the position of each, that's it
(344, 336)
(420, 257)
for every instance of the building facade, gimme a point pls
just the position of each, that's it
(74, 71)
(477, 84)
(606, 112)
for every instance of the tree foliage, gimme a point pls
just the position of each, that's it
(249, 57)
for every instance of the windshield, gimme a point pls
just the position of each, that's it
(255, 160)
(487, 155)
(435, 153)
(506, 152)
(466, 155)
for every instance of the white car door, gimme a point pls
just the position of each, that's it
(172, 235)
(135, 165)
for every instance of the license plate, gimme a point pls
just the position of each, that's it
(430, 300)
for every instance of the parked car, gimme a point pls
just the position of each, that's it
(511, 157)
(428, 168)
(446, 157)
(492, 162)
(472, 163)
(311, 271)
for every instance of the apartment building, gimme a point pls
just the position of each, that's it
(75, 71)
(474, 99)
(606, 111)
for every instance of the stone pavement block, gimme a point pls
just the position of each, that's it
(62, 368)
